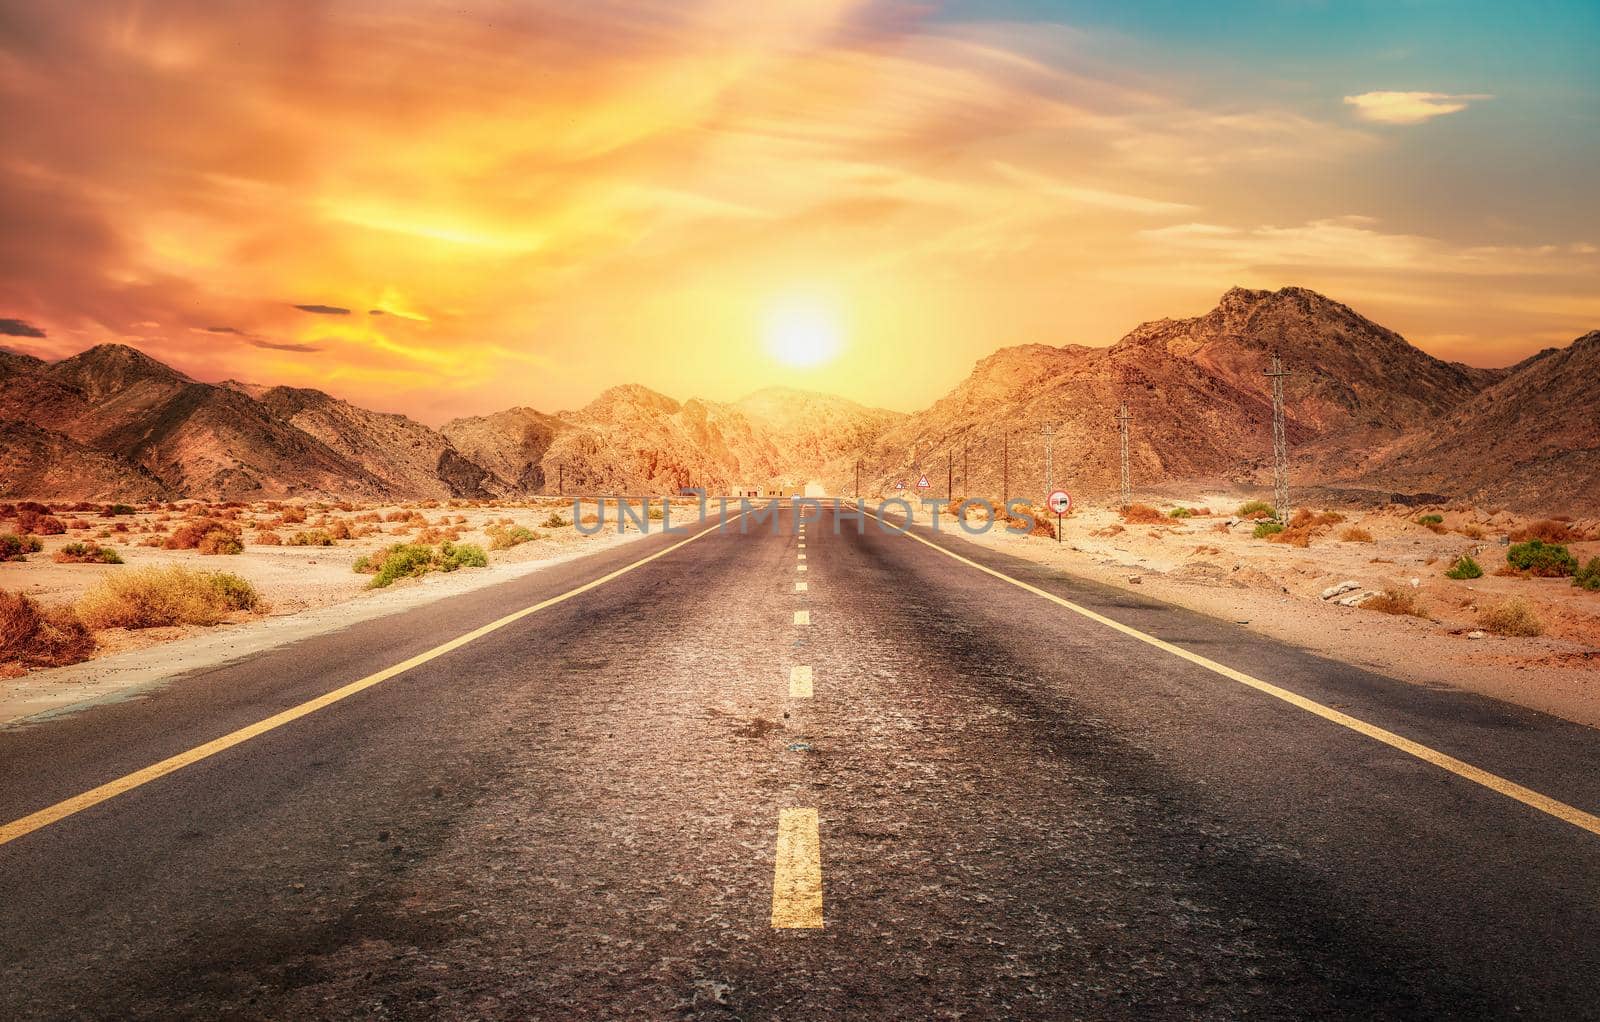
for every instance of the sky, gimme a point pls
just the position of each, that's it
(451, 208)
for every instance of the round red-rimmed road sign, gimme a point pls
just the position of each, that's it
(1059, 501)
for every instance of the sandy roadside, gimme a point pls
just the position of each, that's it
(1276, 590)
(312, 591)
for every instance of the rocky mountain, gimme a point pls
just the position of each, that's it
(1364, 409)
(1530, 441)
(1199, 401)
(408, 457)
(510, 444)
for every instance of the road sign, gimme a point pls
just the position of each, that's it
(1059, 501)
(923, 484)
(900, 485)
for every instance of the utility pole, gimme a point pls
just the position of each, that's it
(949, 475)
(561, 478)
(1049, 434)
(1122, 428)
(1280, 443)
(858, 478)
(966, 464)
(1005, 468)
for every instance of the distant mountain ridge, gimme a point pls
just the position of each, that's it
(1364, 408)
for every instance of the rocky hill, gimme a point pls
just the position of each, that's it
(1365, 409)
(1531, 441)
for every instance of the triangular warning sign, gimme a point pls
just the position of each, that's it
(923, 484)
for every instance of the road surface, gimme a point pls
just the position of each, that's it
(998, 792)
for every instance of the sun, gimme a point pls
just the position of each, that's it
(802, 335)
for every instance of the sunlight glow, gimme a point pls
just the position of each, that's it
(802, 335)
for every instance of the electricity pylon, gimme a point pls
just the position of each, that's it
(1123, 418)
(1049, 434)
(1280, 443)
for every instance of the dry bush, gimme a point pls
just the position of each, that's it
(223, 540)
(33, 635)
(1307, 519)
(170, 595)
(1396, 600)
(1550, 530)
(267, 537)
(77, 523)
(1298, 536)
(1220, 527)
(1513, 617)
(34, 523)
(1471, 531)
(1142, 514)
(292, 516)
(310, 537)
(503, 537)
(1356, 534)
(370, 516)
(1111, 530)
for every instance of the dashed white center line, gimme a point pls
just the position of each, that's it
(802, 617)
(799, 567)
(801, 587)
(800, 682)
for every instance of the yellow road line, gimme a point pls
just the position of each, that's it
(802, 546)
(1494, 782)
(797, 873)
(802, 617)
(111, 789)
(799, 682)
(799, 567)
(801, 556)
(801, 587)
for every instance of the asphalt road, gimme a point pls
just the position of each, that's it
(1019, 813)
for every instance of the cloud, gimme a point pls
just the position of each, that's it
(324, 310)
(1410, 107)
(261, 342)
(19, 328)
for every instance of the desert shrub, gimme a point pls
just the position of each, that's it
(1395, 600)
(1141, 514)
(1257, 509)
(292, 516)
(1549, 530)
(1181, 512)
(188, 535)
(113, 510)
(310, 537)
(87, 553)
(1297, 536)
(1471, 531)
(170, 595)
(1431, 520)
(403, 560)
(1513, 617)
(503, 537)
(1266, 530)
(220, 541)
(1356, 534)
(76, 523)
(17, 548)
(1588, 576)
(33, 635)
(554, 521)
(1536, 557)
(38, 524)
(1464, 568)
(1308, 519)
(656, 514)
(266, 537)
(462, 555)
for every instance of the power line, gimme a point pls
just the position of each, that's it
(1123, 418)
(1280, 443)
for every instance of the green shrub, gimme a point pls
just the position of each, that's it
(1536, 557)
(1256, 509)
(1431, 520)
(310, 537)
(461, 555)
(403, 560)
(17, 548)
(1265, 529)
(554, 521)
(220, 541)
(87, 553)
(1181, 512)
(119, 509)
(1465, 567)
(1588, 576)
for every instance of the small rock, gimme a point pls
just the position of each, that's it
(1416, 582)
(1474, 635)
(1135, 579)
(1340, 589)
